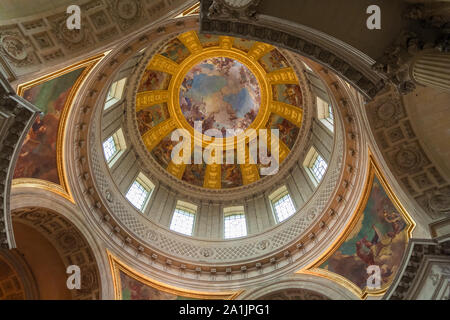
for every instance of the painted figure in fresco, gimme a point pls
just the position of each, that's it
(378, 238)
(272, 61)
(395, 219)
(364, 250)
(194, 174)
(231, 175)
(286, 131)
(243, 44)
(277, 60)
(163, 152)
(151, 117)
(37, 158)
(293, 94)
(208, 40)
(175, 50)
(145, 121)
(378, 251)
(153, 80)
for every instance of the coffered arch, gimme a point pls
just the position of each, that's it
(58, 220)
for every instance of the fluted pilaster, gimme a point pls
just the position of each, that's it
(432, 69)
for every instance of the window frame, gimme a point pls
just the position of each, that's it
(115, 93)
(325, 113)
(231, 212)
(309, 163)
(120, 146)
(184, 208)
(278, 195)
(147, 185)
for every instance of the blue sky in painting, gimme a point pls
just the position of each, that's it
(241, 102)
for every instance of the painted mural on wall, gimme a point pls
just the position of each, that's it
(195, 174)
(243, 44)
(163, 151)
(133, 289)
(151, 116)
(38, 157)
(231, 174)
(175, 50)
(287, 131)
(273, 61)
(288, 93)
(379, 238)
(208, 40)
(154, 80)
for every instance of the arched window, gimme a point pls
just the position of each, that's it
(113, 147)
(282, 204)
(325, 113)
(235, 225)
(140, 191)
(315, 165)
(115, 92)
(183, 218)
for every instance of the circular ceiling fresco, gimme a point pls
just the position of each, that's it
(220, 90)
(220, 93)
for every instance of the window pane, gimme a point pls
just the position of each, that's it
(137, 195)
(330, 112)
(110, 148)
(330, 117)
(182, 222)
(235, 226)
(284, 208)
(319, 167)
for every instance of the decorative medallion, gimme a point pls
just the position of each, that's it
(407, 159)
(386, 111)
(13, 47)
(127, 9)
